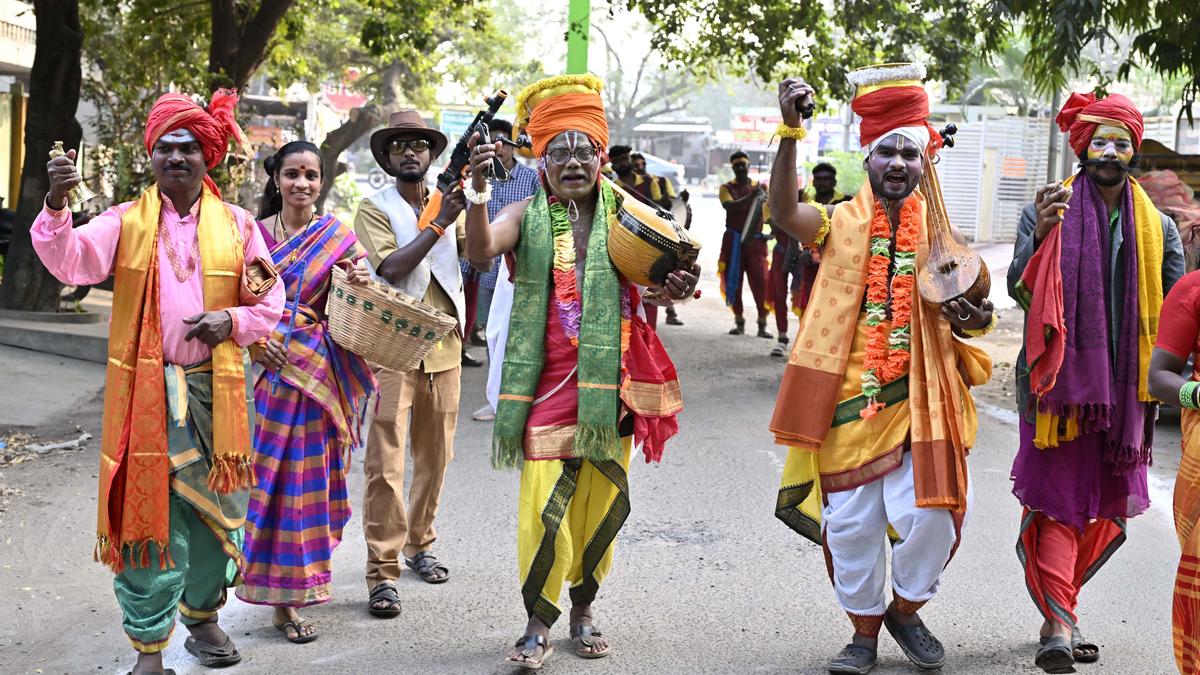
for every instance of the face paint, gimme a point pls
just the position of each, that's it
(1110, 142)
(179, 136)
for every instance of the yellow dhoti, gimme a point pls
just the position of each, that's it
(569, 516)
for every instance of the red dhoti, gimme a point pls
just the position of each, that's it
(1059, 560)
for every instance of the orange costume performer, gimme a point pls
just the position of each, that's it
(875, 404)
(173, 485)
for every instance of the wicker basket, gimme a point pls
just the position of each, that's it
(383, 325)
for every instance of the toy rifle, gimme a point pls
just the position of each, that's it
(460, 157)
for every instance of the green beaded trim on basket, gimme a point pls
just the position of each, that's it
(385, 315)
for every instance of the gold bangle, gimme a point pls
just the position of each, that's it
(980, 332)
(822, 231)
(794, 133)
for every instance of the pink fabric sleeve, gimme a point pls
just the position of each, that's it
(256, 317)
(1179, 322)
(77, 256)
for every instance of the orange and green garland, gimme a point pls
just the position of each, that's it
(889, 341)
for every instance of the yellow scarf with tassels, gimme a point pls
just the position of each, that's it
(134, 493)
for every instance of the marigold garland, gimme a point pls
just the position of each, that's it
(889, 342)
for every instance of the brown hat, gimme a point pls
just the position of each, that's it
(405, 123)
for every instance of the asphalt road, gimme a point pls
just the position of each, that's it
(705, 580)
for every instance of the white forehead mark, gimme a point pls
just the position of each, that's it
(178, 136)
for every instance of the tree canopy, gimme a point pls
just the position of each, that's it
(820, 41)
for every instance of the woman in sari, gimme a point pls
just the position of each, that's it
(1174, 380)
(309, 400)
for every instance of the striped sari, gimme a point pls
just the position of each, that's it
(1185, 611)
(308, 421)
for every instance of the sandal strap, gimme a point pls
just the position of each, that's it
(385, 590)
(529, 643)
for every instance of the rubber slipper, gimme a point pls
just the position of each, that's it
(1083, 650)
(1055, 656)
(854, 659)
(917, 643)
(213, 656)
(296, 626)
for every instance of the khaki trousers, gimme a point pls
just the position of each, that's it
(428, 403)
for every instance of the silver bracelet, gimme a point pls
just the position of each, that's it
(478, 198)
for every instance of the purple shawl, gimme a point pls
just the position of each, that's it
(1097, 387)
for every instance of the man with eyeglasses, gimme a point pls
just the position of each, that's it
(423, 263)
(583, 374)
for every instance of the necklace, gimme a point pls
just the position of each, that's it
(183, 269)
(285, 237)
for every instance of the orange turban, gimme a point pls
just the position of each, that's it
(213, 127)
(551, 106)
(1082, 114)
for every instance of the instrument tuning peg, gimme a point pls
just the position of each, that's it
(947, 134)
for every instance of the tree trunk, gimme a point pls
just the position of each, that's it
(239, 44)
(361, 121)
(54, 85)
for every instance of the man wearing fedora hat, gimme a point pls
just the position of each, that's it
(422, 260)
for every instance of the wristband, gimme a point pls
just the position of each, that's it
(822, 231)
(794, 133)
(1187, 395)
(438, 229)
(478, 198)
(980, 332)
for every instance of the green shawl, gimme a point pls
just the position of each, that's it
(599, 338)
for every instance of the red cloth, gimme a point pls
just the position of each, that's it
(649, 366)
(1046, 328)
(213, 127)
(580, 111)
(886, 109)
(1059, 560)
(1073, 118)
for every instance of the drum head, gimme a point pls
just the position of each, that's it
(679, 211)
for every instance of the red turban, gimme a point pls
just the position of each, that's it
(1082, 114)
(885, 110)
(213, 127)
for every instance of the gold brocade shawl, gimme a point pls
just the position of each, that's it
(938, 405)
(134, 492)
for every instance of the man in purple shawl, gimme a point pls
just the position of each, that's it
(1087, 419)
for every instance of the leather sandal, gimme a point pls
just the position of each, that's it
(528, 644)
(854, 659)
(384, 591)
(582, 638)
(298, 627)
(426, 565)
(919, 645)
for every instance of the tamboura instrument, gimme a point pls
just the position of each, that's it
(646, 244)
(952, 270)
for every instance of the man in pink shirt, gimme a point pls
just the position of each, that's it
(194, 287)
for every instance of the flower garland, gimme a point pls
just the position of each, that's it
(567, 295)
(888, 342)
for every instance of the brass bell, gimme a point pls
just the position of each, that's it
(78, 194)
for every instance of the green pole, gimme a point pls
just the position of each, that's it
(578, 26)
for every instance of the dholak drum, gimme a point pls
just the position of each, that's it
(647, 244)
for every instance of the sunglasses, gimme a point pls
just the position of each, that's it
(397, 146)
(561, 156)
